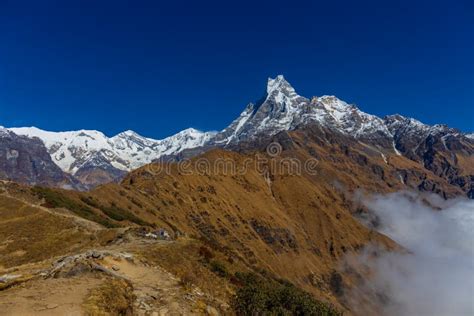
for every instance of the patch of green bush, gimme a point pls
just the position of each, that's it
(335, 283)
(55, 199)
(119, 214)
(89, 201)
(263, 296)
(218, 268)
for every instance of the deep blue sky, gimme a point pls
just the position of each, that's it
(160, 66)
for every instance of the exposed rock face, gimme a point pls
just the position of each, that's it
(445, 151)
(94, 159)
(26, 160)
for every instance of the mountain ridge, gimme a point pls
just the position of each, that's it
(87, 153)
(84, 152)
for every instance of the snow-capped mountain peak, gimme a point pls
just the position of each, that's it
(280, 90)
(3, 131)
(74, 150)
(279, 84)
(283, 109)
(399, 124)
(127, 133)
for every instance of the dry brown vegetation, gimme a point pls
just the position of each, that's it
(29, 234)
(274, 224)
(186, 260)
(112, 297)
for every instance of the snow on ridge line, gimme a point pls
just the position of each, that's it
(125, 151)
(35, 131)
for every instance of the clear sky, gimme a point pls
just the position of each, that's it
(158, 67)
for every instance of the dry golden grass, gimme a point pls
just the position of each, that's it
(185, 259)
(112, 297)
(466, 164)
(30, 234)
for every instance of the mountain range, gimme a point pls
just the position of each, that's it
(92, 216)
(88, 158)
(92, 158)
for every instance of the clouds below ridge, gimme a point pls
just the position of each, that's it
(436, 277)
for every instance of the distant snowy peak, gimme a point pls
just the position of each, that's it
(75, 150)
(276, 112)
(3, 131)
(347, 118)
(68, 149)
(89, 140)
(405, 126)
(280, 90)
(398, 121)
(186, 139)
(283, 109)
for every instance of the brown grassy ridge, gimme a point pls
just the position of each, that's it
(30, 233)
(296, 226)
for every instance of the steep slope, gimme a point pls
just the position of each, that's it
(445, 151)
(441, 150)
(360, 166)
(95, 159)
(282, 109)
(26, 160)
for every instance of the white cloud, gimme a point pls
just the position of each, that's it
(436, 275)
